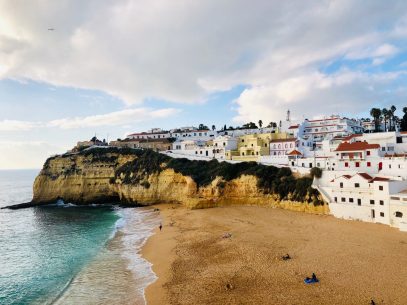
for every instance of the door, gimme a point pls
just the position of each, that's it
(373, 214)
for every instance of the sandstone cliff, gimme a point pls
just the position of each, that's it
(114, 175)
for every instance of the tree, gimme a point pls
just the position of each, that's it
(403, 123)
(202, 127)
(224, 127)
(386, 116)
(249, 125)
(213, 127)
(260, 123)
(392, 118)
(376, 113)
(316, 172)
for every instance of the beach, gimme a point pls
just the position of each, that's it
(232, 255)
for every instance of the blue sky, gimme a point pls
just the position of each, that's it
(114, 67)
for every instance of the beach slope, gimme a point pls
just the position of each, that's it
(355, 261)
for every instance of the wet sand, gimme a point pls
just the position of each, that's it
(355, 261)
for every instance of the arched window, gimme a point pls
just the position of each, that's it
(274, 146)
(279, 145)
(286, 146)
(398, 214)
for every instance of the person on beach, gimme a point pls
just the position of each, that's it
(161, 226)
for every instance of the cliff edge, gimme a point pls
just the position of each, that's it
(143, 177)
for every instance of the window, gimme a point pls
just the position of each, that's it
(381, 214)
(380, 187)
(343, 199)
(395, 198)
(357, 185)
(381, 202)
(369, 164)
(368, 153)
(341, 185)
(336, 199)
(371, 201)
(398, 214)
(346, 164)
(242, 140)
(357, 164)
(389, 165)
(351, 200)
(383, 148)
(359, 201)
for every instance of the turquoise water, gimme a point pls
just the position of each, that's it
(42, 249)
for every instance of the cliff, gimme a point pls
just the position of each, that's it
(111, 175)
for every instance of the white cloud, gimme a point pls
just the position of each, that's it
(182, 51)
(14, 125)
(340, 93)
(123, 117)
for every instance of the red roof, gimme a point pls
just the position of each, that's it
(379, 179)
(364, 175)
(356, 146)
(295, 153)
(293, 127)
(283, 140)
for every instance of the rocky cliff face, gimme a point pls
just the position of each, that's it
(95, 178)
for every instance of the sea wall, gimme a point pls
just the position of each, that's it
(94, 178)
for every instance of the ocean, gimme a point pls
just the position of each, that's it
(65, 254)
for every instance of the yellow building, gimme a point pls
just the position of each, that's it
(251, 147)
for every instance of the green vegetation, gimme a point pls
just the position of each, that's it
(271, 180)
(316, 172)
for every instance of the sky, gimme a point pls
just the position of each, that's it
(70, 69)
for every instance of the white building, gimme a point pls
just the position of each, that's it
(223, 143)
(154, 133)
(242, 132)
(193, 134)
(364, 197)
(328, 128)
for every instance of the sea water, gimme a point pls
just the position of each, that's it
(67, 254)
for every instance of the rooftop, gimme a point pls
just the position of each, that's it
(356, 146)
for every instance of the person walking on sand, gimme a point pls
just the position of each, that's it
(161, 226)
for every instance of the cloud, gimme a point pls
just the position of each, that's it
(182, 51)
(14, 125)
(122, 117)
(341, 93)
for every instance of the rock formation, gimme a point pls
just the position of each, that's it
(143, 178)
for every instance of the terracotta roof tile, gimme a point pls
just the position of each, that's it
(356, 146)
(364, 175)
(379, 179)
(284, 140)
(295, 153)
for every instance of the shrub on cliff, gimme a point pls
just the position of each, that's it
(316, 172)
(271, 180)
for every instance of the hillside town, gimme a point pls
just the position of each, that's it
(363, 162)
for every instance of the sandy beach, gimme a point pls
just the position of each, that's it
(355, 261)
